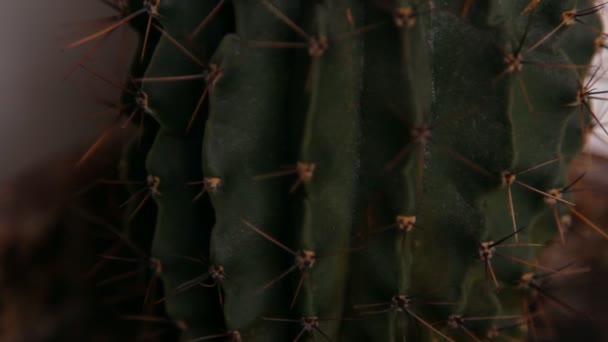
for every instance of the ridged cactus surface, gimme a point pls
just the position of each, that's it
(370, 170)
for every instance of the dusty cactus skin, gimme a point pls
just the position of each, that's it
(427, 145)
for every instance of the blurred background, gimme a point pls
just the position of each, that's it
(51, 112)
(42, 115)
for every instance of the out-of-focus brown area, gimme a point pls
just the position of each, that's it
(41, 112)
(46, 251)
(584, 309)
(592, 199)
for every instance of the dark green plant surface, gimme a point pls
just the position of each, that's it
(372, 170)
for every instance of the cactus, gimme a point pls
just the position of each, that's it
(359, 170)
